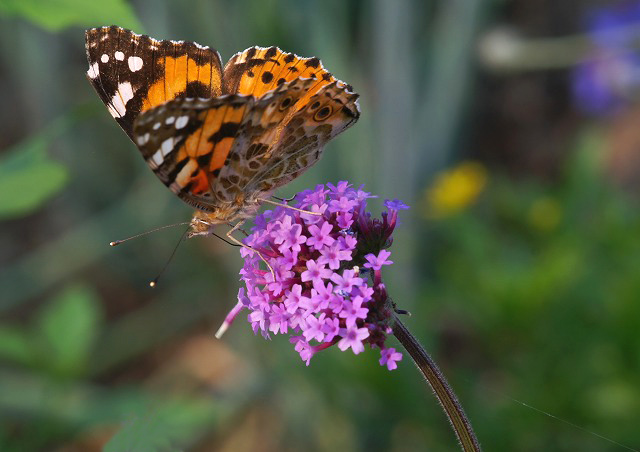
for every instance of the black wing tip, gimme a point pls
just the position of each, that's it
(92, 33)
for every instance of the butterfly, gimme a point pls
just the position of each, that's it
(221, 138)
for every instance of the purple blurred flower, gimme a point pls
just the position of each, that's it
(609, 78)
(328, 288)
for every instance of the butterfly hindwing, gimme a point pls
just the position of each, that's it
(327, 113)
(132, 73)
(261, 131)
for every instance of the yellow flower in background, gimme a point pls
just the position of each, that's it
(545, 213)
(454, 190)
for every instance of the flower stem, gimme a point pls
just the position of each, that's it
(441, 388)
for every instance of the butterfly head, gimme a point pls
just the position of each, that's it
(203, 222)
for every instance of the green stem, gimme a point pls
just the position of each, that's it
(441, 388)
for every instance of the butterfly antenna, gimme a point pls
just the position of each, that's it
(154, 282)
(118, 242)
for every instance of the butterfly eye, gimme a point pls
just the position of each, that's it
(323, 113)
(285, 103)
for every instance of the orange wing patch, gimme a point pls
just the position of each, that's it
(210, 144)
(186, 141)
(179, 73)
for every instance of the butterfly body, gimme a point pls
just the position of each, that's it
(221, 139)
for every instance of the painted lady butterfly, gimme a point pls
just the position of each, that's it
(222, 139)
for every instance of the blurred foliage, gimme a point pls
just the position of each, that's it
(59, 14)
(28, 177)
(549, 270)
(52, 344)
(520, 269)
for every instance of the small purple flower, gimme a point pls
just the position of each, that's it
(323, 296)
(352, 337)
(390, 357)
(331, 328)
(346, 281)
(289, 259)
(314, 329)
(315, 272)
(376, 262)
(395, 204)
(343, 204)
(288, 236)
(334, 254)
(339, 189)
(303, 348)
(320, 235)
(353, 311)
(319, 294)
(295, 298)
(344, 220)
(278, 319)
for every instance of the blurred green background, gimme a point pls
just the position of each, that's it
(510, 127)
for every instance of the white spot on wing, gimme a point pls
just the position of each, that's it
(156, 126)
(104, 58)
(93, 71)
(143, 139)
(169, 120)
(166, 146)
(157, 159)
(135, 63)
(181, 122)
(124, 94)
(119, 56)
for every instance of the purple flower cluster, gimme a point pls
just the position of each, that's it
(328, 285)
(609, 79)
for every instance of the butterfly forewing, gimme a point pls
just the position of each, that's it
(259, 70)
(132, 73)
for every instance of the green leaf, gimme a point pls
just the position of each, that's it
(15, 345)
(28, 178)
(173, 426)
(55, 15)
(66, 329)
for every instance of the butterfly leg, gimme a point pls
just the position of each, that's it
(246, 234)
(230, 236)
